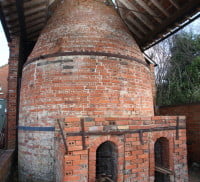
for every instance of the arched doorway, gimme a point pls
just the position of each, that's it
(161, 151)
(106, 161)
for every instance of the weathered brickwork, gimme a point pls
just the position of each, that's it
(136, 160)
(3, 81)
(12, 93)
(87, 78)
(36, 152)
(192, 113)
(87, 86)
(86, 26)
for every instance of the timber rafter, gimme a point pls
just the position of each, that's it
(153, 20)
(148, 20)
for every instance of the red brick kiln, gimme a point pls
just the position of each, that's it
(86, 105)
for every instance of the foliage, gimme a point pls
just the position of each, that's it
(178, 82)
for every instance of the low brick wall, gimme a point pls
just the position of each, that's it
(192, 113)
(134, 139)
(6, 158)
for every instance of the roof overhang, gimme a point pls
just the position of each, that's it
(149, 20)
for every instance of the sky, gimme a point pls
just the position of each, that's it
(4, 51)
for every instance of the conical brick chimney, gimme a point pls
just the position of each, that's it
(85, 64)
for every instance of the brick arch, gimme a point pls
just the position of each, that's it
(118, 142)
(156, 136)
(161, 152)
(106, 160)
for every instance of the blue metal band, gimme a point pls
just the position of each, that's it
(36, 128)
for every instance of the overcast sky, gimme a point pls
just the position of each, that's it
(4, 52)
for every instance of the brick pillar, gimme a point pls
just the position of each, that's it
(12, 93)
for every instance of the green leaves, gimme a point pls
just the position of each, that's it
(181, 83)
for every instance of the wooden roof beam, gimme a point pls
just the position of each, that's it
(12, 17)
(177, 17)
(134, 31)
(35, 28)
(15, 29)
(135, 11)
(34, 17)
(33, 34)
(149, 10)
(134, 22)
(9, 11)
(15, 32)
(175, 4)
(14, 25)
(163, 170)
(158, 5)
(20, 12)
(35, 22)
(35, 10)
(30, 4)
(4, 24)
(7, 3)
(12, 21)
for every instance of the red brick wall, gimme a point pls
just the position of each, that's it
(192, 113)
(86, 26)
(86, 69)
(12, 93)
(136, 160)
(4, 81)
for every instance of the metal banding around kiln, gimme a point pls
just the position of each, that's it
(86, 53)
(36, 128)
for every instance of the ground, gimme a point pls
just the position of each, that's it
(194, 175)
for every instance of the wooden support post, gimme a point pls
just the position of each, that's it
(63, 136)
(83, 133)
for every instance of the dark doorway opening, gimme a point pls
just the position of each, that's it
(161, 177)
(162, 172)
(106, 161)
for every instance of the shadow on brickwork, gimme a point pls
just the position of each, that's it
(194, 172)
(14, 174)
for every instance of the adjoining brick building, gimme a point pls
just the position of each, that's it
(192, 113)
(3, 81)
(86, 97)
(3, 98)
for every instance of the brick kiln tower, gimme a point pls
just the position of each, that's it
(86, 104)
